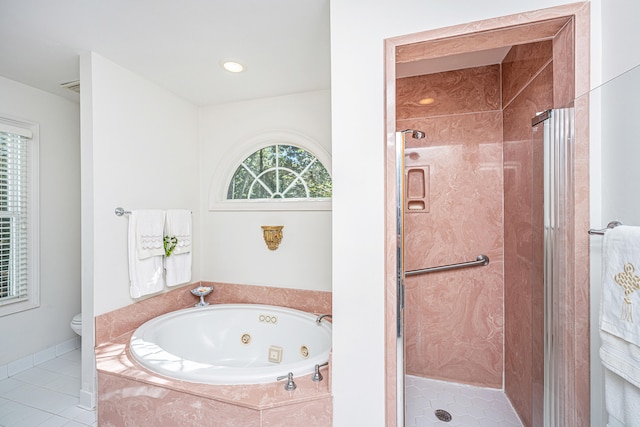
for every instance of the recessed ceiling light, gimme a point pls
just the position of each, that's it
(233, 66)
(426, 101)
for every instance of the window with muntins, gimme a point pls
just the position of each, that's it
(280, 171)
(19, 288)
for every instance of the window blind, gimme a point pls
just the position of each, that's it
(13, 217)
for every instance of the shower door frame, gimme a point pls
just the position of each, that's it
(557, 214)
(400, 275)
(578, 328)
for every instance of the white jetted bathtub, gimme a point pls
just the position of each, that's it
(232, 343)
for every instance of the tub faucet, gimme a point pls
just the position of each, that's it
(289, 385)
(322, 316)
(317, 376)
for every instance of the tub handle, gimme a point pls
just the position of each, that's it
(317, 376)
(289, 385)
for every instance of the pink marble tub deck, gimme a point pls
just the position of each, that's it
(131, 395)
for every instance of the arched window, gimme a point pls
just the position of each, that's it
(280, 171)
(275, 170)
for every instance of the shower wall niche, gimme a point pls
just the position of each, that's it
(482, 325)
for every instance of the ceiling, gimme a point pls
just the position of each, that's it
(452, 62)
(177, 44)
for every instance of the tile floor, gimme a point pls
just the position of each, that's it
(467, 405)
(45, 395)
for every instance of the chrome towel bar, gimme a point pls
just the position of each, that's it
(612, 224)
(121, 211)
(480, 260)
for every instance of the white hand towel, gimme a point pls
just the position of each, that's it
(145, 273)
(178, 232)
(149, 233)
(621, 283)
(178, 225)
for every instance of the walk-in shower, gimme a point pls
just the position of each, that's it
(550, 172)
(474, 187)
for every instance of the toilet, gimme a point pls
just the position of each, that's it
(76, 324)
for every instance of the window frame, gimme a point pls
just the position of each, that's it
(224, 174)
(12, 125)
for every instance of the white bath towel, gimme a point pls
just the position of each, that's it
(149, 233)
(621, 360)
(621, 357)
(146, 265)
(622, 400)
(621, 283)
(177, 262)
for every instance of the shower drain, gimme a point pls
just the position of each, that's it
(443, 415)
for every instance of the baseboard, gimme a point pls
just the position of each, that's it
(87, 400)
(27, 362)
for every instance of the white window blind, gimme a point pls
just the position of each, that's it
(14, 180)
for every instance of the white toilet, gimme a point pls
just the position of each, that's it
(76, 324)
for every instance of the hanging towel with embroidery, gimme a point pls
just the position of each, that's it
(621, 283)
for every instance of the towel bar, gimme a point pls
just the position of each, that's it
(600, 232)
(121, 211)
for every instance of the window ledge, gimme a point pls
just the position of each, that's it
(271, 205)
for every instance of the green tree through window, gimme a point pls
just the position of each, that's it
(280, 172)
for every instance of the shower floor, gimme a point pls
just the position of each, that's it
(467, 405)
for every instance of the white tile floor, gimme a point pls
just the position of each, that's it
(467, 405)
(45, 395)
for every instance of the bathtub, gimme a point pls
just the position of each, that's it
(232, 344)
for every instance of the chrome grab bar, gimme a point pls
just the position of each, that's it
(480, 260)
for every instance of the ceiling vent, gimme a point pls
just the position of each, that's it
(74, 85)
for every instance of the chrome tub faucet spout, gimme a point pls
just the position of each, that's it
(322, 316)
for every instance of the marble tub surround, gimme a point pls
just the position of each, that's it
(136, 404)
(116, 367)
(130, 395)
(115, 323)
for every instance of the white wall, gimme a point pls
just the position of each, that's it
(139, 148)
(34, 330)
(232, 244)
(614, 147)
(143, 143)
(358, 120)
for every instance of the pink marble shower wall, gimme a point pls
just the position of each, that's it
(454, 319)
(528, 73)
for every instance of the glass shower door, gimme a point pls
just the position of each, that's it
(400, 194)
